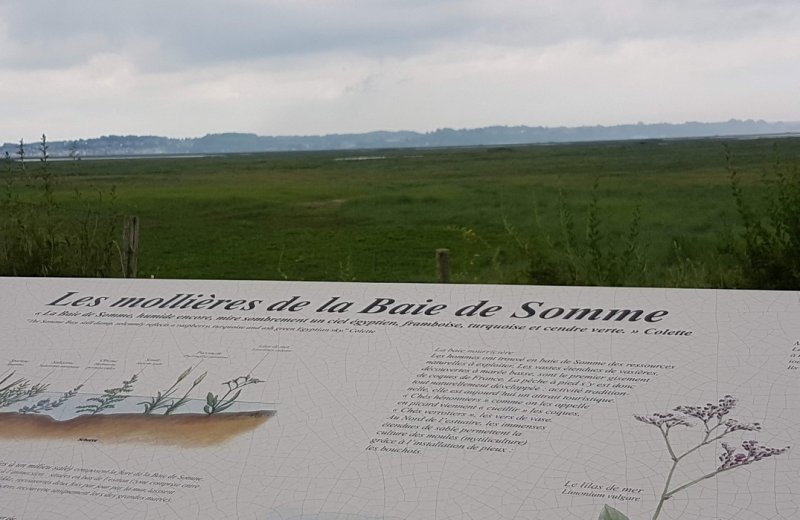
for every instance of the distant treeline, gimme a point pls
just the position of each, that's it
(115, 145)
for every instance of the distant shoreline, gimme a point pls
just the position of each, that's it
(60, 158)
(134, 146)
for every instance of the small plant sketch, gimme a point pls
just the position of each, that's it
(216, 404)
(164, 399)
(47, 405)
(159, 400)
(715, 427)
(18, 390)
(109, 399)
(171, 416)
(180, 402)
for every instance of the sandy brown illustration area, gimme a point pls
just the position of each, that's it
(189, 430)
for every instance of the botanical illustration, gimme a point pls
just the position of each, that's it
(108, 399)
(17, 390)
(50, 404)
(172, 415)
(163, 399)
(714, 426)
(217, 404)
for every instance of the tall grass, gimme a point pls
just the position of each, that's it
(769, 245)
(762, 253)
(38, 237)
(591, 246)
(601, 257)
(584, 253)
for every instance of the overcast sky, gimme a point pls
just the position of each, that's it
(184, 68)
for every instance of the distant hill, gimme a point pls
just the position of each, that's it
(128, 145)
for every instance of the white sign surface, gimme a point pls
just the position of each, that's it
(231, 400)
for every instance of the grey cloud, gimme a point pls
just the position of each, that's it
(182, 34)
(185, 34)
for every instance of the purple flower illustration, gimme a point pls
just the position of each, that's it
(715, 427)
(663, 421)
(709, 411)
(753, 451)
(732, 425)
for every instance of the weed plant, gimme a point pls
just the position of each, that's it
(601, 258)
(769, 246)
(597, 256)
(40, 237)
(591, 247)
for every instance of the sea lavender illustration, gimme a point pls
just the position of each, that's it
(715, 427)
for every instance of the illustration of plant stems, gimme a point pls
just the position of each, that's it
(216, 404)
(715, 428)
(46, 405)
(180, 402)
(160, 399)
(109, 399)
(18, 390)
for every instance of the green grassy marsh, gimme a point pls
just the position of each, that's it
(505, 213)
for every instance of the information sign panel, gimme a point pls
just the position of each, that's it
(280, 400)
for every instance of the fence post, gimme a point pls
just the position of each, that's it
(130, 246)
(443, 265)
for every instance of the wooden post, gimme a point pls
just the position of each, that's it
(130, 246)
(443, 265)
